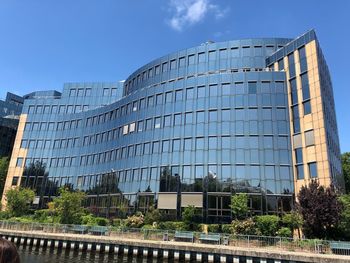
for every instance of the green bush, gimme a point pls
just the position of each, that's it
(214, 228)
(293, 221)
(172, 225)
(284, 232)
(92, 220)
(4, 215)
(43, 216)
(239, 205)
(226, 228)
(153, 215)
(102, 221)
(146, 227)
(68, 206)
(189, 216)
(244, 227)
(267, 224)
(135, 221)
(19, 201)
(119, 223)
(23, 219)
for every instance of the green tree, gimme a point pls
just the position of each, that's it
(152, 215)
(239, 206)
(19, 201)
(267, 225)
(345, 160)
(321, 210)
(344, 225)
(68, 206)
(293, 221)
(188, 217)
(4, 165)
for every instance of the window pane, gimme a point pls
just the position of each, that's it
(300, 172)
(299, 155)
(307, 107)
(252, 87)
(312, 170)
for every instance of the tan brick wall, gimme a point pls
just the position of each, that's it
(16, 153)
(314, 121)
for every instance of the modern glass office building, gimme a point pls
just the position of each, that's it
(10, 109)
(190, 128)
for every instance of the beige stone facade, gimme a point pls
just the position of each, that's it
(17, 152)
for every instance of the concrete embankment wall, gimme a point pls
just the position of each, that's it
(181, 251)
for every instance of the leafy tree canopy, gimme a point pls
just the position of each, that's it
(345, 159)
(344, 225)
(68, 206)
(19, 201)
(321, 210)
(239, 206)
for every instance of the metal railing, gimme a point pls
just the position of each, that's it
(245, 241)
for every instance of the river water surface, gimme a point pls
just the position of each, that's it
(47, 255)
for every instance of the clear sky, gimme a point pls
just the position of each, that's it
(44, 43)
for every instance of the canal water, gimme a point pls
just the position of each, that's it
(47, 255)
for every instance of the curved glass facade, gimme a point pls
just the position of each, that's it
(189, 128)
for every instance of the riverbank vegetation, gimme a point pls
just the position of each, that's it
(320, 213)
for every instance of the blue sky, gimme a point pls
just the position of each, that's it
(45, 43)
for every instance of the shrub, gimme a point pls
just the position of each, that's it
(92, 220)
(19, 201)
(214, 228)
(226, 228)
(293, 220)
(146, 227)
(284, 232)
(244, 227)
(68, 206)
(44, 216)
(4, 215)
(344, 224)
(189, 216)
(135, 221)
(321, 210)
(172, 225)
(23, 219)
(153, 215)
(102, 221)
(119, 223)
(267, 224)
(239, 206)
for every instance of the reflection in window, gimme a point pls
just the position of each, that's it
(200, 116)
(188, 118)
(199, 143)
(176, 145)
(178, 95)
(307, 107)
(213, 115)
(252, 87)
(167, 120)
(177, 119)
(300, 171)
(189, 94)
(201, 92)
(213, 90)
(299, 155)
(312, 170)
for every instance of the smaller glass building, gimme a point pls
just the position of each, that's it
(10, 109)
(190, 128)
